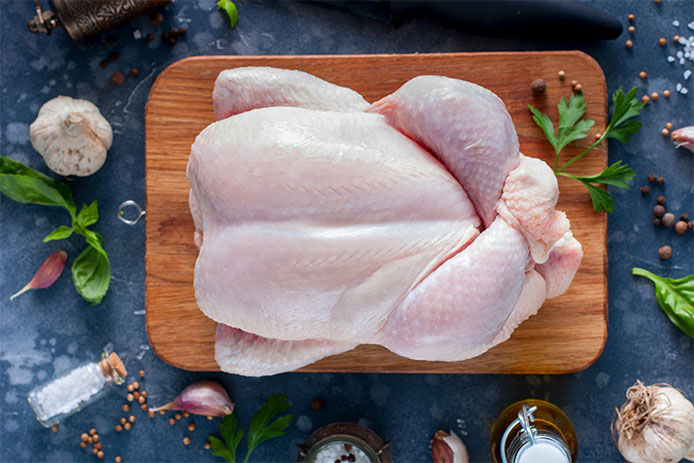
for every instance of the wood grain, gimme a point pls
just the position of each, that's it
(567, 334)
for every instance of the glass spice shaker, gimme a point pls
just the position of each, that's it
(70, 392)
(533, 430)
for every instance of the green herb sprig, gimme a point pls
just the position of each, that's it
(231, 11)
(261, 429)
(571, 128)
(675, 297)
(91, 270)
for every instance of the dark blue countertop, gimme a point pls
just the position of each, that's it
(46, 332)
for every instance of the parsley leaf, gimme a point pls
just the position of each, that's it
(231, 11)
(572, 128)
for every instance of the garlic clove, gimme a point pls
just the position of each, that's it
(71, 135)
(207, 398)
(684, 137)
(47, 274)
(448, 448)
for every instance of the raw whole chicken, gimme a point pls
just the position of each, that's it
(324, 222)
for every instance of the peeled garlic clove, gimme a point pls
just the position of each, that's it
(207, 398)
(448, 448)
(47, 274)
(71, 135)
(684, 137)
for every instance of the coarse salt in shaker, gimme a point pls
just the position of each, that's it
(70, 392)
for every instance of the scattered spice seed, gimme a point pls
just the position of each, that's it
(98, 445)
(83, 445)
(156, 18)
(127, 426)
(676, 39)
(143, 407)
(172, 421)
(131, 388)
(130, 397)
(173, 32)
(95, 451)
(136, 385)
(113, 56)
(662, 41)
(681, 227)
(142, 373)
(186, 440)
(104, 63)
(100, 454)
(131, 418)
(182, 30)
(645, 190)
(207, 445)
(645, 99)
(126, 407)
(598, 135)
(317, 404)
(661, 200)
(92, 432)
(629, 44)
(54, 428)
(95, 438)
(149, 37)
(666, 93)
(656, 221)
(117, 78)
(562, 75)
(91, 441)
(631, 29)
(178, 416)
(186, 414)
(111, 39)
(661, 181)
(573, 84)
(209, 418)
(631, 18)
(162, 412)
(191, 426)
(578, 88)
(684, 216)
(85, 437)
(136, 395)
(652, 178)
(118, 459)
(658, 211)
(665, 132)
(123, 420)
(119, 428)
(665, 252)
(668, 125)
(654, 96)
(144, 394)
(151, 414)
(668, 219)
(643, 74)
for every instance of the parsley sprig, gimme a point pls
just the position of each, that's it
(261, 429)
(571, 128)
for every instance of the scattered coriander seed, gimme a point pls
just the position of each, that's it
(134, 72)
(598, 135)
(573, 84)
(118, 428)
(562, 75)
(123, 420)
(681, 227)
(98, 446)
(127, 426)
(54, 428)
(162, 412)
(668, 219)
(113, 56)
(661, 200)
(156, 18)
(631, 18)
(657, 2)
(178, 416)
(95, 451)
(131, 388)
(186, 440)
(136, 395)
(130, 397)
(676, 39)
(136, 385)
(658, 211)
(172, 421)
(645, 190)
(104, 63)
(118, 459)
(149, 37)
(665, 252)
(209, 418)
(629, 44)
(645, 99)
(666, 93)
(143, 407)
(578, 88)
(144, 394)
(95, 438)
(100, 454)
(131, 418)
(141, 399)
(661, 181)
(92, 432)
(668, 126)
(652, 178)
(84, 437)
(654, 96)
(656, 221)
(186, 414)
(142, 373)
(126, 407)
(631, 29)
(665, 132)
(317, 404)
(117, 78)
(83, 445)
(152, 414)
(662, 41)
(207, 445)
(643, 74)
(684, 216)
(191, 426)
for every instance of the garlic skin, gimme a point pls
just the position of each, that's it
(684, 137)
(655, 424)
(448, 448)
(71, 135)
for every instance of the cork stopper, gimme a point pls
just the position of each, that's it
(113, 365)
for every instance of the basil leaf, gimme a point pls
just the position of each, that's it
(231, 11)
(675, 297)
(91, 271)
(88, 215)
(59, 233)
(26, 185)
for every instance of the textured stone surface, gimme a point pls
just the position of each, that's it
(45, 332)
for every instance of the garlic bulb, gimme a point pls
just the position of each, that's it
(655, 424)
(71, 135)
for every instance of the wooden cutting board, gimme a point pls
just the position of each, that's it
(567, 334)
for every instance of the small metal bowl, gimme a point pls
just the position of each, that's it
(375, 448)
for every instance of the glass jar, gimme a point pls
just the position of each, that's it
(533, 430)
(352, 441)
(70, 392)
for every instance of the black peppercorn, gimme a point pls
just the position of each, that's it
(645, 190)
(661, 199)
(156, 18)
(103, 63)
(113, 55)
(652, 178)
(111, 39)
(538, 86)
(182, 30)
(656, 221)
(661, 181)
(117, 78)
(149, 37)
(684, 216)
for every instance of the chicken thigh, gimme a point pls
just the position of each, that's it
(324, 223)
